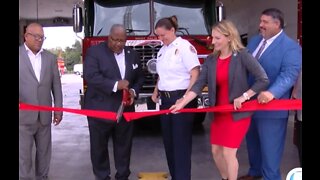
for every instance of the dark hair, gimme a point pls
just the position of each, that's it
(275, 14)
(168, 23)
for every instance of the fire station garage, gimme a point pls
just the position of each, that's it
(70, 140)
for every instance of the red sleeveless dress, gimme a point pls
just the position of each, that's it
(224, 131)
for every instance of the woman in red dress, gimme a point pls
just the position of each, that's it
(226, 74)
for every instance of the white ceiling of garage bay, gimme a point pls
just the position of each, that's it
(46, 9)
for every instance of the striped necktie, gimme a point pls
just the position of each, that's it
(261, 49)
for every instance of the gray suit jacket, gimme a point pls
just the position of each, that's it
(241, 65)
(45, 92)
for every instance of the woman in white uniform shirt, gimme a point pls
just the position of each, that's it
(178, 69)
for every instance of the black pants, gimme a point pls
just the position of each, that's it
(297, 136)
(177, 138)
(121, 133)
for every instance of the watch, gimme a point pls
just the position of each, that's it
(246, 96)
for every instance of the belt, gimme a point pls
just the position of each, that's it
(169, 94)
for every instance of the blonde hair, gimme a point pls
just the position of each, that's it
(228, 29)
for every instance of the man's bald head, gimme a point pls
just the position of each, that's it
(117, 38)
(117, 28)
(32, 26)
(34, 37)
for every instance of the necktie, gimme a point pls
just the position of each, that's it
(261, 49)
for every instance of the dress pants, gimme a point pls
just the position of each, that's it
(297, 136)
(121, 133)
(265, 144)
(41, 136)
(177, 138)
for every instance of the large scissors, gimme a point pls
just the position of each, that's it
(125, 102)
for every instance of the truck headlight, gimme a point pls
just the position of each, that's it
(152, 66)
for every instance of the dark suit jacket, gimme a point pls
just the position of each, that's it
(45, 92)
(101, 72)
(241, 65)
(282, 63)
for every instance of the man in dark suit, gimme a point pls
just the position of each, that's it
(109, 68)
(39, 84)
(281, 58)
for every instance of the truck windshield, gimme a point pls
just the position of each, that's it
(136, 18)
(194, 17)
(190, 20)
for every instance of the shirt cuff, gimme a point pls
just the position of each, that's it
(115, 87)
(134, 92)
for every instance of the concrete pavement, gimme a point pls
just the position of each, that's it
(71, 147)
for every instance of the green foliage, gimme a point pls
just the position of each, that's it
(71, 55)
(55, 51)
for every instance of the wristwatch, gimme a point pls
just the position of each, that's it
(246, 96)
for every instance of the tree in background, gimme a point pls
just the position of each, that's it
(71, 55)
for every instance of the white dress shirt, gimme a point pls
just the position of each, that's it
(121, 63)
(35, 60)
(122, 67)
(269, 41)
(174, 63)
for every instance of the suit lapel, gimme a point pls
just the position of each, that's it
(26, 60)
(44, 64)
(213, 69)
(272, 46)
(232, 67)
(113, 61)
(128, 61)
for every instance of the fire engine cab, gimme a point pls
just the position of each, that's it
(195, 19)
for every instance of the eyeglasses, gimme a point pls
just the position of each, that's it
(37, 37)
(118, 40)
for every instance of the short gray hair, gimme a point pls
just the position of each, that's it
(117, 26)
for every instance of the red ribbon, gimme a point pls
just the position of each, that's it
(92, 113)
(253, 105)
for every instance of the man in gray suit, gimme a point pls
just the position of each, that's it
(39, 84)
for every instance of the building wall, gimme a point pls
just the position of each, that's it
(246, 14)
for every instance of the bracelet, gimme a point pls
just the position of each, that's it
(246, 96)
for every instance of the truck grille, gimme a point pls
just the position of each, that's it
(146, 53)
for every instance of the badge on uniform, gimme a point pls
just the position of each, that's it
(192, 49)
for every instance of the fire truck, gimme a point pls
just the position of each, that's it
(195, 19)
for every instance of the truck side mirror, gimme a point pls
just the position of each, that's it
(220, 11)
(77, 18)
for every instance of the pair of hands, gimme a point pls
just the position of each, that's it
(174, 108)
(237, 103)
(124, 84)
(263, 98)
